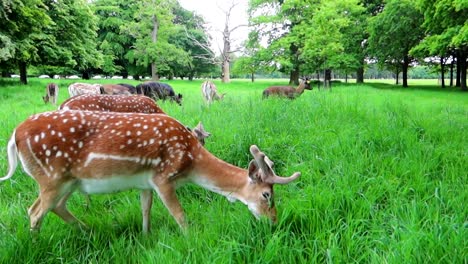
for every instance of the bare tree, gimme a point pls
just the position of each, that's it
(227, 49)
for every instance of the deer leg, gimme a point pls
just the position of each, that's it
(166, 192)
(146, 200)
(48, 198)
(62, 211)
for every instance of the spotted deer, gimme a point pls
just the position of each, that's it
(112, 103)
(84, 88)
(52, 90)
(210, 93)
(288, 91)
(124, 104)
(103, 152)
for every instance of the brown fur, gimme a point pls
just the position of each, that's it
(287, 91)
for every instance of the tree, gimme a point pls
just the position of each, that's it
(114, 42)
(393, 33)
(21, 27)
(227, 42)
(151, 29)
(71, 39)
(446, 33)
(332, 31)
(191, 36)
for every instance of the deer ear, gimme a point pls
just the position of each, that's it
(201, 133)
(254, 171)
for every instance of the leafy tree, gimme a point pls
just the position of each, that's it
(329, 32)
(151, 28)
(21, 26)
(446, 28)
(393, 33)
(275, 20)
(113, 41)
(71, 39)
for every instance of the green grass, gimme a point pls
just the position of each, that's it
(384, 180)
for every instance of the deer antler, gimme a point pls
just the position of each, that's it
(266, 165)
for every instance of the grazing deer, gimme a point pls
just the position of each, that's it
(210, 93)
(114, 89)
(103, 152)
(52, 90)
(157, 90)
(112, 103)
(84, 88)
(123, 104)
(288, 91)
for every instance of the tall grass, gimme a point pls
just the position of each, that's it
(384, 180)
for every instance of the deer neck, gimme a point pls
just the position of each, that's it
(219, 176)
(300, 88)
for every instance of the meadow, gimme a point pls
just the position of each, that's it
(384, 180)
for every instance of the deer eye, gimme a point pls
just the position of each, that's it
(266, 195)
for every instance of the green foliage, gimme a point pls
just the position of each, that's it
(383, 181)
(394, 32)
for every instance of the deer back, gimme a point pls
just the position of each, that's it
(285, 91)
(115, 89)
(91, 144)
(83, 88)
(112, 103)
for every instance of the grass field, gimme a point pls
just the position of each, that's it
(384, 180)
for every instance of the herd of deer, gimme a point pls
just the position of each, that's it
(99, 143)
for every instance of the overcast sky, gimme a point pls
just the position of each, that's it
(211, 11)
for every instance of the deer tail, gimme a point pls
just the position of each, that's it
(12, 151)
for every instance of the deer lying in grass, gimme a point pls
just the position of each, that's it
(210, 93)
(123, 104)
(103, 152)
(52, 90)
(288, 91)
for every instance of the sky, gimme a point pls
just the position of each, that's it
(212, 12)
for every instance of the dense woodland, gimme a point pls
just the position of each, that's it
(159, 38)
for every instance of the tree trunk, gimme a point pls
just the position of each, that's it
(360, 75)
(294, 76)
(327, 79)
(346, 77)
(136, 77)
(154, 39)
(457, 80)
(318, 80)
(252, 77)
(23, 72)
(442, 72)
(85, 75)
(463, 66)
(405, 71)
(226, 71)
(5, 74)
(451, 72)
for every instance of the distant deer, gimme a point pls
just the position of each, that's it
(210, 93)
(103, 152)
(51, 96)
(114, 89)
(288, 91)
(159, 91)
(84, 88)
